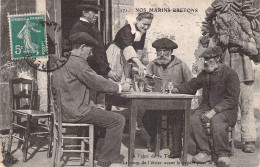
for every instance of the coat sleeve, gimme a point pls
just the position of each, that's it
(192, 86)
(187, 75)
(90, 78)
(231, 95)
(126, 40)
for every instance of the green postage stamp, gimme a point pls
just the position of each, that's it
(28, 35)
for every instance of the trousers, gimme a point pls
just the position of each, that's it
(114, 124)
(219, 130)
(248, 126)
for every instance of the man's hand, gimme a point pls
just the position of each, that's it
(207, 116)
(114, 76)
(126, 87)
(142, 69)
(175, 90)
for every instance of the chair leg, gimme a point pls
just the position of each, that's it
(59, 143)
(10, 140)
(26, 138)
(54, 150)
(19, 122)
(50, 137)
(233, 142)
(82, 155)
(91, 145)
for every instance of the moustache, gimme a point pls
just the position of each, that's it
(162, 58)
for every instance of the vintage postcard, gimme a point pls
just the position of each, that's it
(173, 41)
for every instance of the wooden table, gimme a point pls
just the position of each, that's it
(135, 101)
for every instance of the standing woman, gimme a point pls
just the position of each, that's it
(128, 42)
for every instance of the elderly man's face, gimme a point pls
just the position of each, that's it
(211, 64)
(144, 24)
(91, 16)
(163, 56)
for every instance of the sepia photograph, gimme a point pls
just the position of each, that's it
(118, 83)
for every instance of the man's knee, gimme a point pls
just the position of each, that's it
(218, 118)
(195, 119)
(218, 121)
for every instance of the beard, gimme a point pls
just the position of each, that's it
(210, 68)
(163, 60)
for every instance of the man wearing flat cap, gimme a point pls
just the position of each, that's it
(171, 69)
(219, 106)
(75, 80)
(86, 23)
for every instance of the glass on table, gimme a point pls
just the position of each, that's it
(164, 86)
(151, 84)
(141, 85)
(170, 87)
(129, 80)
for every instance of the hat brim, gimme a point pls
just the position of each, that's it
(91, 7)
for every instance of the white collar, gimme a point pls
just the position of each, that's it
(83, 19)
(138, 34)
(133, 28)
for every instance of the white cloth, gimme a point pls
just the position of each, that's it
(129, 53)
(83, 19)
(115, 61)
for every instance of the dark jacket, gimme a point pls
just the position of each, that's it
(176, 72)
(76, 80)
(98, 62)
(124, 38)
(220, 91)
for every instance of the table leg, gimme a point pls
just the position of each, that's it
(158, 134)
(132, 126)
(186, 131)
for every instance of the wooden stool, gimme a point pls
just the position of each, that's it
(29, 114)
(59, 136)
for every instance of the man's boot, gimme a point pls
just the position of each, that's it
(249, 147)
(223, 162)
(201, 158)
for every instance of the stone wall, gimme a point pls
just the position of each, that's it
(120, 9)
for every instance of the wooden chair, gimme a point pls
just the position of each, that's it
(231, 136)
(28, 113)
(59, 135)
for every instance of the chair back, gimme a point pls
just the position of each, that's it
(56, 103)
(22, 88)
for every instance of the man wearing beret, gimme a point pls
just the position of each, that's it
(219, 106)
(171, 69)
(98, 62)
(76, 80)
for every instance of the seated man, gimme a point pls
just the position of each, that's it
(171, 69)
(76, 80)
(219, 106)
